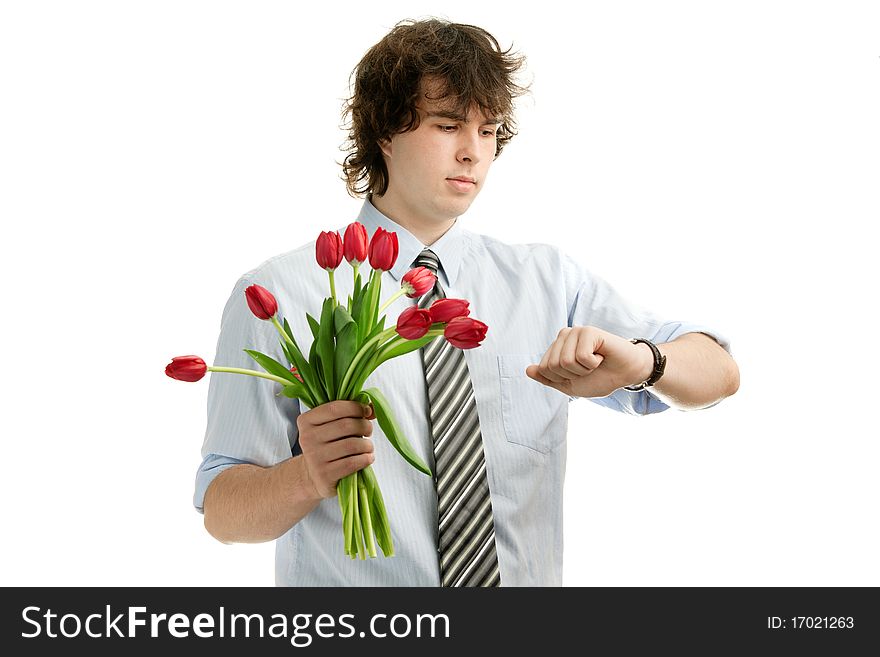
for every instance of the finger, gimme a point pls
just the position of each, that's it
(585, 353)
(568, 357)
(551, 368)
(592, 360)
(345, 447)
(344, 467)
(533, 372)
(333, 411)
(343, 428)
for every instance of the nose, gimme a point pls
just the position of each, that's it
(468, 147)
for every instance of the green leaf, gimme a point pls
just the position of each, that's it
(404, 347)
(357, 286)
(271, 365)
(381, 526)
(325, 346)
(392, 431)
(346, 335)
(366, 512)
(312, 355)
(298, 391)
(375, 290)
(357, 303)
(319, 375)
(310, 377)
(289, 333)
(313, 324)
(303, 391)
(360, 310)
(343, 492)
(377, 329)
(363, 371)
(341, 318)
(286, 351)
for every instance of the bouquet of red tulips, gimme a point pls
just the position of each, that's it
(349, 342)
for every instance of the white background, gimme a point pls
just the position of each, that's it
(717, 162)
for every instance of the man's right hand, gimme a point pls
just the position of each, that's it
(335, 442)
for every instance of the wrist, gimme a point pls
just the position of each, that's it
(646, 364)
(653, 371)
(297, 486)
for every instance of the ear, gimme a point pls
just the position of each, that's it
(385, 147)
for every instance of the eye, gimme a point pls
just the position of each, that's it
(448, 128)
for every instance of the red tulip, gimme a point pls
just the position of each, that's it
(355, 243)
(328, 250)
(261, 302)
(444, 310)
(418, 281)
(413, 323)
(186, 368)
(383, 249)
(465, 332)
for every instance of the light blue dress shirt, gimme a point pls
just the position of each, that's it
(526, 293)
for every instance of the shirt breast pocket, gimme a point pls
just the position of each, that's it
(534, 415)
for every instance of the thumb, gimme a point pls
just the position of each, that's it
(533, 373)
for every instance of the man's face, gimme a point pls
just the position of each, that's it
(436, 171)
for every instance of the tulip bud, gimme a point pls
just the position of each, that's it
(186, 368)
(355, 243)
(383, 249)
(465, 332)
(413, 323)
(444, 310)
(261, 302)
(296, 373)
(328, 250)
(418, 281)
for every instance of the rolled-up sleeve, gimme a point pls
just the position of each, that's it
(593, 302)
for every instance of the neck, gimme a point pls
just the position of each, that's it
(426, 230)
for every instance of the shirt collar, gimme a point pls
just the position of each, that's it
(449, 248)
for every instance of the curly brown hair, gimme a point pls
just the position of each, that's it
(472, 70)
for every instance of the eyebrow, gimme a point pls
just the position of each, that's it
(455, 116)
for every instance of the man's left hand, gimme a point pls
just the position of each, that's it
(585, 361)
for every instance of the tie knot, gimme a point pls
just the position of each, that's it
(429, 259)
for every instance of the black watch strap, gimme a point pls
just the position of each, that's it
(659, 366)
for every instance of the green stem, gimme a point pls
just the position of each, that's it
(354, 275)
(375, 285)
(283, 332)
(396, 295)
(366, 516)
(358, 528)
(263, 375)
(359, 356)
(344, 495)
(332, 286)
(381, 357)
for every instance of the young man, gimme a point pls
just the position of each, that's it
(432, 108)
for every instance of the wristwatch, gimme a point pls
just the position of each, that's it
(659, 366)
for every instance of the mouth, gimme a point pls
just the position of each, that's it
(464, 179)
(462, 184)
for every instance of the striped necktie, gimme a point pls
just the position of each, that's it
(466, 528)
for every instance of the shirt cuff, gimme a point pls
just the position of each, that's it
(211, 466)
